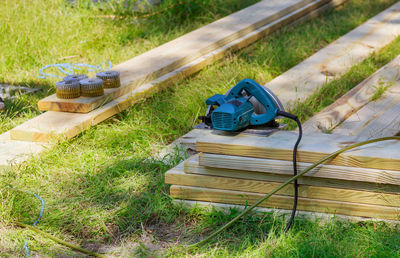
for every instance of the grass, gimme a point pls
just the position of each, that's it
(103, 190)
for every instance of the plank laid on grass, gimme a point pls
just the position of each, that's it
(226, 208)
(313, 147)
(191, 166)
(15, 152)
(355, 99)
(67, 125)
(179, 52)
(377, 176)
(176, 176)
(337, 58)
(284, 202)
(378, 118)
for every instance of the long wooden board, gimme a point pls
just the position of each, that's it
(261, 211)
(53, 125)
(376, 176)
(181, 51)
(14, 152)
(352, 101)
(176, 176)
(284, 202)
(378, 118)
(191, 166)
(313, 147)
(337, 58)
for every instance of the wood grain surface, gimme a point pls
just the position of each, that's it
(284, 202)
(377, 176)
(355, 99)
(176, 176)
(191, 166)
(313, 147)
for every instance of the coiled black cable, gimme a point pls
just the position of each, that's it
(296, 186)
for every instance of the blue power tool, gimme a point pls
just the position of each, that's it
(246, 104)
(250, 104)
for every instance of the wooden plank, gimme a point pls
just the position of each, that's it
(55, 125)
(261, 211)
(13, 152)
(388, 124)
(313, 147)
(378, 118)
(356, 98)
(181, 51)
(284, 202)
(191, 166)
(280, 146)
(176, 176)
(376, 176)
(301, 81)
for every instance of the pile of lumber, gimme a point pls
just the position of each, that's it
(240, 169)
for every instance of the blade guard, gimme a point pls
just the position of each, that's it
(256, 90)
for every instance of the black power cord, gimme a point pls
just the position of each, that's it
(296, 186)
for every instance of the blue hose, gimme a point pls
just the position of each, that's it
(69, 69)
(37, 220)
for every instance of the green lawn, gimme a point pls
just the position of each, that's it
(103, 190)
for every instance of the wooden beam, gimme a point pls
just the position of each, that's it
(183, 50)
(191, 166)
(284, 202)
(13, 152)
(356, 98)
(176, 176)
(337, 58)
(378, 118)
(283, 167)
(261, 211)
(313, 147)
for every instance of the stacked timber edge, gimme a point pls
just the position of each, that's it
(240, 169)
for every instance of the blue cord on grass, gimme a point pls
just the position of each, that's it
(37, 220)
(69, 69)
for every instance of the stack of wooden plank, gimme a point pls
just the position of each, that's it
(240, 169)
